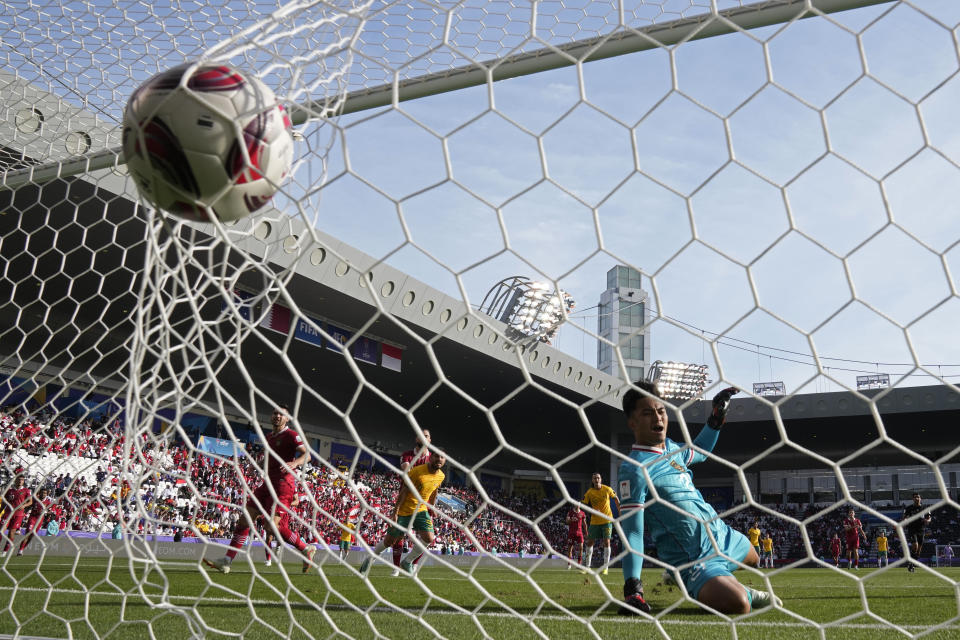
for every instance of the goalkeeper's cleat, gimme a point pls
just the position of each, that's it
(308, 553)
(634, 602)
(365, 567)
(762, 599)
(222, 565)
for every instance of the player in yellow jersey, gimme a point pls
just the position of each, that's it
(766, 560)
(346, 538)
(753, 533)
(882, 559)
(598, 498)
(411, 510)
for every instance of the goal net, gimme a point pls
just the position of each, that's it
(762, 188)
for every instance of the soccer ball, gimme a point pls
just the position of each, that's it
(206, 140)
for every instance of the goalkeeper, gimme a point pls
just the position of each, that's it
(682, 524)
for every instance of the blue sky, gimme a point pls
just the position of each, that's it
(702, 168)
(844, 245)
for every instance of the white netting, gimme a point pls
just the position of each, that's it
(781, 173)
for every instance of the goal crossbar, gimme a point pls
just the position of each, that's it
(752, 16)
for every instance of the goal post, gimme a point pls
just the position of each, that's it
(750, 166)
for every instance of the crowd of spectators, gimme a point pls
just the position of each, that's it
(823, 520)
(165, 486)
(168, 487)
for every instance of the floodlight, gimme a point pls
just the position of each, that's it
(531, 310)
(678, 380)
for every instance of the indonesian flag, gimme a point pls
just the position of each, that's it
(277, 318)
(390, 357)
(353, 514)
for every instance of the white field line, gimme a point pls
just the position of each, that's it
(335, 570)
(193, 600)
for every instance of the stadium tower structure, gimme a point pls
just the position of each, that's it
(623, 318)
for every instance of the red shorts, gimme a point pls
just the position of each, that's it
(575, 539)
(263, 500)
(853, 542)
(33, 523)
(16, 521)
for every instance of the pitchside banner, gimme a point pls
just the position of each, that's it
(277, 318)
(242, 302)
(366, 349)
(308, 331)
(338, 337)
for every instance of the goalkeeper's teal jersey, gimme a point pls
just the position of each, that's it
(679, 538)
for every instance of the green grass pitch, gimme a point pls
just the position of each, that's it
(97, 598)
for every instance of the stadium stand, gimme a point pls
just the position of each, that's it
(81, 462)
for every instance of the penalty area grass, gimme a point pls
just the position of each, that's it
(101, 598)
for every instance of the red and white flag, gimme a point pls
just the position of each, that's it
(277, 318)
(390, 357)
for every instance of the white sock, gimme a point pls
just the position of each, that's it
(606, 557)
(589, 557)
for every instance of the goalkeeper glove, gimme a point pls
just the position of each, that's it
(633, 596)
(721, 402)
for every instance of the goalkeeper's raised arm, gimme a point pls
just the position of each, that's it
(678, 540)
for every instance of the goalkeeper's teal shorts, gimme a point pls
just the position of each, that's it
(732, 544)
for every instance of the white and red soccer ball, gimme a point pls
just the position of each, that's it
(202, 140)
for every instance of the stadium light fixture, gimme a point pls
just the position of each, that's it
(678, 380)
(533, 311)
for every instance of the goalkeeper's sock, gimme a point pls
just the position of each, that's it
(606, 557)
(397, 554)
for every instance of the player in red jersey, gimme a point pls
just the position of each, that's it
(854, 530)
(38, 509)
(16, 501)
(835, 549)
(576, 519)
(409, 459)
(284, 454)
